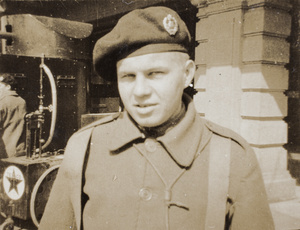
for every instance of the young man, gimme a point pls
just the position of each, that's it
(157, 165)
(12, 118)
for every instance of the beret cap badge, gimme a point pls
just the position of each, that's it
(170, 24)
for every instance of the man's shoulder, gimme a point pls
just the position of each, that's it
(12, 98)
(83, 135)
(102, 121)
(97, 124)
(226, 133)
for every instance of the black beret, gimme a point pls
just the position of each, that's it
(142, 31)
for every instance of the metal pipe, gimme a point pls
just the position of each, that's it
(54, 106)
(6, 35)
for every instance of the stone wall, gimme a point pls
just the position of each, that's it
(242, 79)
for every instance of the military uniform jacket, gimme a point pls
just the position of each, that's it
(12, 113)
(135, 182)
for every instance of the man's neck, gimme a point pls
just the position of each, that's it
(163, 128)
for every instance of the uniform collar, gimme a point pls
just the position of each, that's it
(125, 131)
(183, 141)
(186, 139)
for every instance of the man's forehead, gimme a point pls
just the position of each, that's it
(156, 57)
(147, 61)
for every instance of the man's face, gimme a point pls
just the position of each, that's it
(151, 86)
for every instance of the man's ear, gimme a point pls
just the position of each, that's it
(190, 69)
(8, 87)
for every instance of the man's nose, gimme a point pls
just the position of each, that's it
(141, 87)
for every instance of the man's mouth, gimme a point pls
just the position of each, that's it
(145, 108)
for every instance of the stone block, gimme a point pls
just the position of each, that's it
(264, 104)
(221, 48)
(264, 132)
(200, 100)
(263, 76)
(219, 6)
(267, 20)
(278, 182)
(272, 160)
(223, 89)
(202, 12)
(274, 3)
(200, 79)
(202, 29)
(201, 54)
(265, 49)
(220, 51)
(280, 189)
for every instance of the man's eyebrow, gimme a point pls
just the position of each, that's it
(124, 72)
(157, 67)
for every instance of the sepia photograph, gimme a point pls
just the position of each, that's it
(150, 114)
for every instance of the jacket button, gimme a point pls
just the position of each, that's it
(150, 145)
(145, 194)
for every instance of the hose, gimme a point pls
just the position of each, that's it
(54, 105)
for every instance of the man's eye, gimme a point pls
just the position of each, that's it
(127, 76)
(155, 73)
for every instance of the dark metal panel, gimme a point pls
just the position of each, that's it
(39, 36)
(70, 77)
(30, 171)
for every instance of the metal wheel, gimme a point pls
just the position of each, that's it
(40, 194)
(8, 224)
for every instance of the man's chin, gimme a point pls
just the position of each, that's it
(146, 122)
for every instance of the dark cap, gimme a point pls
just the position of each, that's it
(142, 31)
(7, 79)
